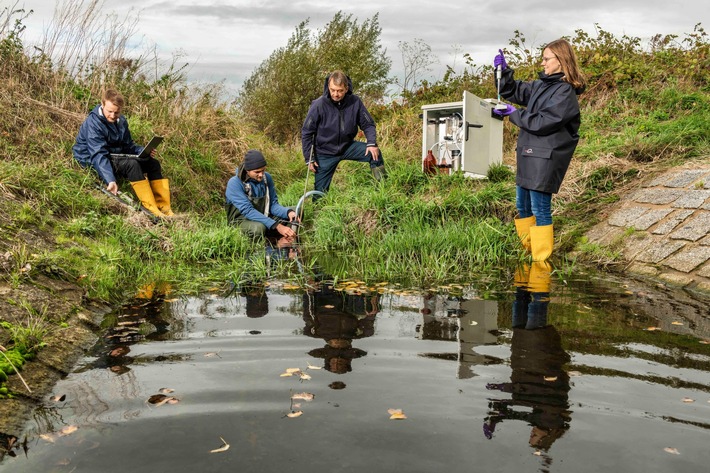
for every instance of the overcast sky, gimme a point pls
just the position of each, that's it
(226, 39)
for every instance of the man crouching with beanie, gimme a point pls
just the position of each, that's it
(252, 204)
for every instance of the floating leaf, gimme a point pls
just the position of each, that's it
(329, 306)
(293, 370)
(69, 429)
(160, 399)
(550, 378)
(294, 414)
(304, 396)
(223, 448)
(574, 373)
(473, 322)
(166, 390)
(283, 375)
(396, 414)
(313, 367)
(58, 398)
(171, 300)
(676, 323)
(672, 450)
(688, 400)
(212, 354)
(537, 453)
(305, 376)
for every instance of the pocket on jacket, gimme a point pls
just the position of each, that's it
(532, 151)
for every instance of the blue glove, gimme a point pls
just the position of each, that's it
(499, 60)
(505, 112)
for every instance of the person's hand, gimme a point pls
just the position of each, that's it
(153, 152)
(112, 187)
(292, 217)
(374, 151)
(312, 166)
(506, 111)
(285, 231)
(499, 60)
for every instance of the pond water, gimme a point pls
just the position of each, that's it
(558, 375)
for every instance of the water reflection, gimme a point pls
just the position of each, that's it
(539, 385)
(339, 318)
(470, 322)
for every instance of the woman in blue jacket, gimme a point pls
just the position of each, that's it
(252, 203)
(548, 136)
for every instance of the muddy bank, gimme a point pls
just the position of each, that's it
(76, 323)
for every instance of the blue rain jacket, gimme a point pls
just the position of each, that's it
(246, 195)
(98, 138)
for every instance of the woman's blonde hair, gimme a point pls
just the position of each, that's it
(568, 60)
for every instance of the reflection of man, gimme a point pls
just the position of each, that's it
(339, 318)
(538, 380)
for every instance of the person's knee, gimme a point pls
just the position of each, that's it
(253, 230)
(133, 171)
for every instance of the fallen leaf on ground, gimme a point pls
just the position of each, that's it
(676, 323)
(304, 396)
(223, 448)
(396, 414)
(574, 373)
(672, 450)
(688, 400)
(294, 414)
(171, 300)
(651, 329)
(705, 342)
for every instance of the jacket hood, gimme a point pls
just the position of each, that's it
(326, 92)
(242, 173)
(557, 77)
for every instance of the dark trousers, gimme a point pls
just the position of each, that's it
(136, 169)
(327, 164)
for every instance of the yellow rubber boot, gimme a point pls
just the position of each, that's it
(522, 226)
(161, 191)
(145, 195)
(541, 241)
(539, 280)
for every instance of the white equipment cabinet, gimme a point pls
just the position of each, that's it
(463, 136)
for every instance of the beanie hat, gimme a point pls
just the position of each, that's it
(254, 160)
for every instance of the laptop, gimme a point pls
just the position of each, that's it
(145, 154)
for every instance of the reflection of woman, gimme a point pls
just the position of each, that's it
(538, 380)
(547, 138)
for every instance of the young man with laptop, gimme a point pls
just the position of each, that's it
(104, 142)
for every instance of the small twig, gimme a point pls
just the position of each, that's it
(3, 350)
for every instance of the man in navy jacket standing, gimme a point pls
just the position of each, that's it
(329, 131)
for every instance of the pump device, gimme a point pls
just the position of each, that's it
(462, 136)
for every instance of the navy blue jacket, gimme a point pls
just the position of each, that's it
(242, 191)
(332, 126)
(549, 128)
(98, 138)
